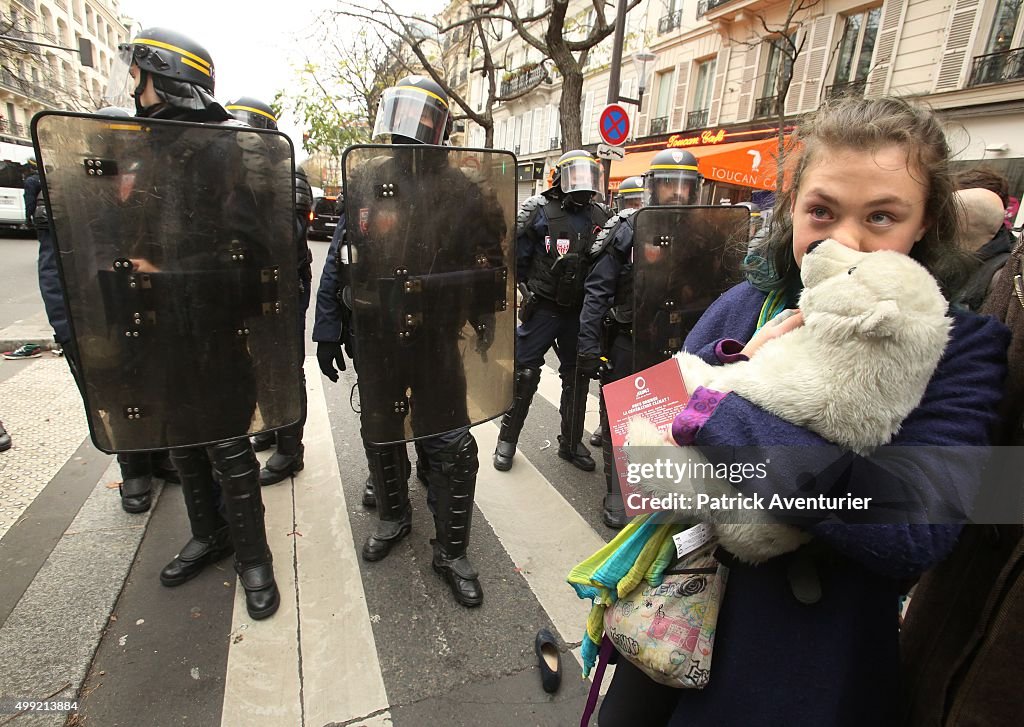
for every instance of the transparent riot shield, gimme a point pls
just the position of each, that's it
(430, 235)
(178, 264)
(683, 259)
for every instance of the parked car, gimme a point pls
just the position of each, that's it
(324, 218)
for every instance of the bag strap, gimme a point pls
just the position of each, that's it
(595, 688)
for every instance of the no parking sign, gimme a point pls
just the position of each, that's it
(614, 124)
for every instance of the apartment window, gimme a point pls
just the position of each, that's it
(663, 103)
(778, 60)
(705, 84)
(857, 46)
(1004, 27)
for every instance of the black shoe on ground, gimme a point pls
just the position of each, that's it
(613, 514)
(388, 532)
(281, 466)
(579, 455)
(136, 493)
(549, 660)
(597, 438)
(503, 455)
(461, 577)
(263, 441)
(196, 555)
(5, 439)
(262, 598)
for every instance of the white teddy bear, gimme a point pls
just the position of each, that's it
(875, 327)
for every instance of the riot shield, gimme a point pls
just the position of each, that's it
(430, 235)
(683, 259)
(178, 264)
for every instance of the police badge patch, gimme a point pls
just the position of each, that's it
(547, 243)
(563, 246)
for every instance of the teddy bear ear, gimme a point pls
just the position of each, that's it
(881, 321)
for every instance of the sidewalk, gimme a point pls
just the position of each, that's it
(33, 329)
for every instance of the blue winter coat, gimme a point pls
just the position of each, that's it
(781, 663)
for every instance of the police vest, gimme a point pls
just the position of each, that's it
(559, 271)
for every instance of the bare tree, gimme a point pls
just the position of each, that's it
(788, 38)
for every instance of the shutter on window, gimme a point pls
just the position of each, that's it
(881, 65)
(679, 107)
(721, 68)
(959, 33)
(816, 50)
(745, 111)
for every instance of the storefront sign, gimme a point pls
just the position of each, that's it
(704, 138)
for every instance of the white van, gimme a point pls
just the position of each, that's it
(13, 170)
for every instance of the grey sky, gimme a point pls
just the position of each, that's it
(254, 45)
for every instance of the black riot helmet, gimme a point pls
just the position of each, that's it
(181, 69)
(630, 193)
(673, 178)
(578, 177)
(414, 110)
(253, 112)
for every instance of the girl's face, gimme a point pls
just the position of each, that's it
(868, 202)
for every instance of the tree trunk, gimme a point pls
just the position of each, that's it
(569, 110)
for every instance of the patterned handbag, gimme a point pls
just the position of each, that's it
(668, 631)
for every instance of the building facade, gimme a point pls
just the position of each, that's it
(715, 86)
(34, 78)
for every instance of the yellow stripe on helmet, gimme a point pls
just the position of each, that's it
(423, 90)
(686, 167)
(198, 67)
(630, 189)
(580, 158)
(236, 107)
(184, 53)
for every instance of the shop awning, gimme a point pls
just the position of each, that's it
(743, 163)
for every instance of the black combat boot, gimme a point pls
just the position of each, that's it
(263, 441)
(526, 384)
(573, 409)
(287, 460)
(390, 471)
(422, 464)
(136, 481)
(453, 486)
(369, 498)
(613, 513)
(238, 470)
(597, 438)
(211, 539)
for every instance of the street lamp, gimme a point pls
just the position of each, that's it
(642, 61)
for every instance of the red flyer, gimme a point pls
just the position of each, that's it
(658, 394)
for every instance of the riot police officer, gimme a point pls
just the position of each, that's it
(630, 194)
(287, 460)
(408, 278)
(173, 78)
(605, 342)
(554, 231)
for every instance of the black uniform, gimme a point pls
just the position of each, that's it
(606, 328)
(430, 252)
(553, 238)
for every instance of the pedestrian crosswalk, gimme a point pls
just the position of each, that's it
(356, 643)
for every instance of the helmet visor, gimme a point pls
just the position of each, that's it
(581, 174)
(631, 195)
(671, 188)
(120, 84)
(412, 112)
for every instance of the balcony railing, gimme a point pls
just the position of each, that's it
(1007, 65)
(697, 119)
(766, 107)
(853, 89)
(553, 143)
(13, 128)
(659, 125)
(522, 80)
(670, 22)
(705, 5)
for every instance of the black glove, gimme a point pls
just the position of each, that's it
(327, 355)
(592, 365)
